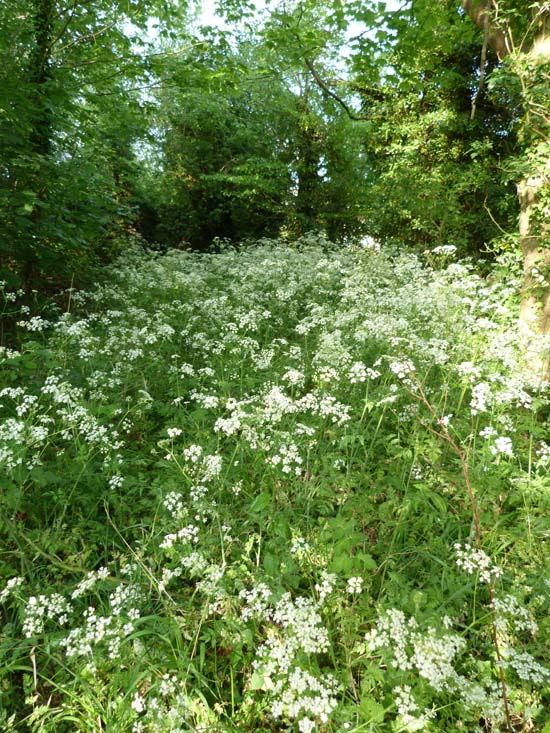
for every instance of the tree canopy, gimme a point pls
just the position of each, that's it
(413, 124)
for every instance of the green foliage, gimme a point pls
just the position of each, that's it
(436, 172)
(249, 148)
(241, 491)
(67, 125)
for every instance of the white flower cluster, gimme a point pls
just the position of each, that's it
(192, 454)
(262, 360)
(369, 243)
(257, 601)
(301, 618)
(24, 402)
(174, 432)
(304, 697)
(326, 585)
(9, 354)
(208, 401)
(21, 443)
(336, 411)
(256, 421)
(294, 377)
(41, 609)
(185, 535)
(173, 503)
(10, 586)
(408, 711)
(430, 654)
(288, 458)
(228, 425)
(328, 375)
(511, 615)
(474, 561)
(513, 392)
(402, 368)
(354, 585)
(116, 481)
(211, 468)
(488, 432)
(525, 666)
(443, 249)
(295, 629)
(359, 372)
(112, 629)
(502, 446)
(197, 494)
(89, 581)
(162, 706)
(276, 404)
(36, 324)
(481, 398)
(469, 369)
(12, 436)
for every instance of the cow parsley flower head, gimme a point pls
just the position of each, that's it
(355, 585)
(192, 454)
(409, 713)
(474, 560)
(502, 446)
(326, 585)
(11, 585)
(402, 369)
(510, 614)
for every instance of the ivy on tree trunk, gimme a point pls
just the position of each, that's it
(528, 59)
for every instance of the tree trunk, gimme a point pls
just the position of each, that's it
(307, 167)
(530, 58)
(41, 131)
(534, 314)
(40, 76)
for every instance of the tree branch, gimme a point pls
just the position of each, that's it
(320, 82)
(326, 89)
(482, 63)
(497, 38)
(64, 27)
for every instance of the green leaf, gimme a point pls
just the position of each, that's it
(257, 681)
(341, 564)
(261, 502)
(367, 561)
(372, 710)
(271, 563)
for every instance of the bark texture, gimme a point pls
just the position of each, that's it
(535, 306)
(534, 317)
(529, 57)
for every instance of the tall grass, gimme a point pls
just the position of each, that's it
(277, 488)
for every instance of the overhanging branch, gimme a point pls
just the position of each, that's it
(498, 38)
(328, 91)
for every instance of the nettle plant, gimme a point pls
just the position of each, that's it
(276, 488)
